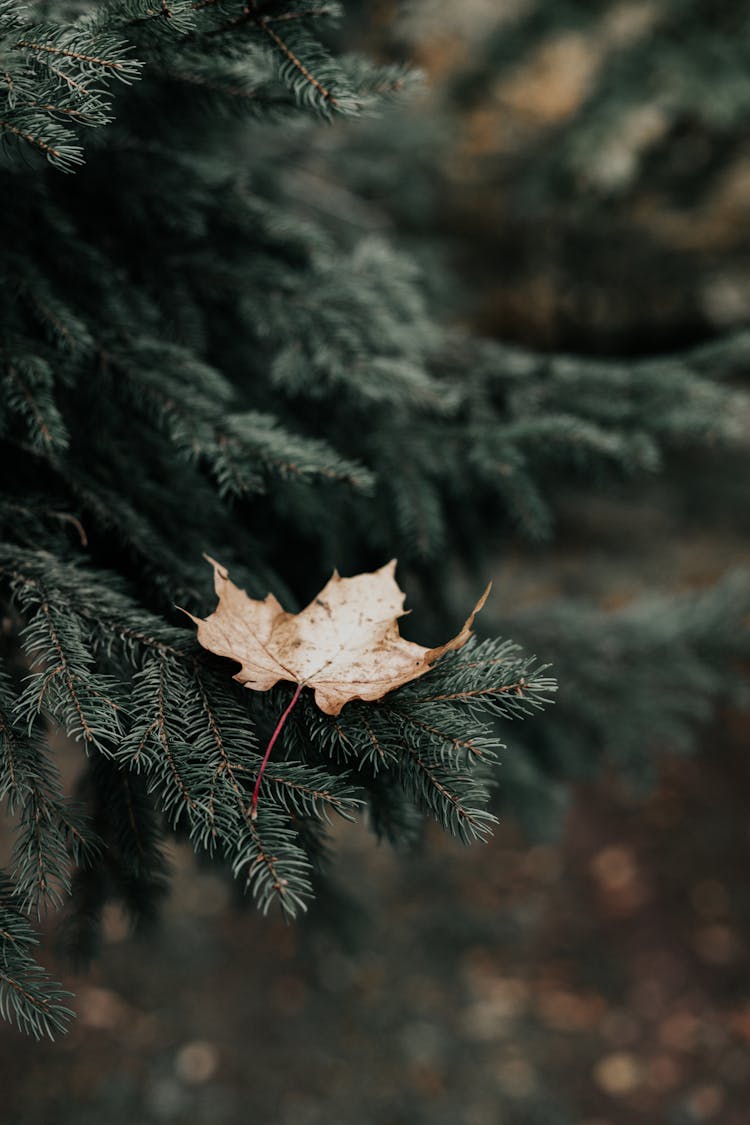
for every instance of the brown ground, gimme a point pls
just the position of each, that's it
(602, 982)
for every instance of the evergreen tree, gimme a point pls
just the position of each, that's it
(201, 354)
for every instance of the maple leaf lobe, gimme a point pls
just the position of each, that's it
(344, 645)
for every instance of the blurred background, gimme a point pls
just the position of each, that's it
(580, 170)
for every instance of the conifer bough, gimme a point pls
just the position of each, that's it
(276, 390)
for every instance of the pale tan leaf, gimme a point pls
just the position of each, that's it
(344, 645)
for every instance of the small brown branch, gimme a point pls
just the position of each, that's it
(71, 82)
(37, 142)
(516, 689)
(139, 749)
(374, 740)
(78, 114)
(315, 794)
(296, 63)
(68, 825)
(161, 723)
(73, 520)
(63, 52)
(457, 743)
(36, 1002)
(41, 872)
(392, 87)
(342, 735)
(269, 861)
(449, 795)
(224, 766)
(6, 731)
(245, 17)
(69, 677)
(45, 684)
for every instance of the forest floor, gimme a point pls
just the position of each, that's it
(602, 981)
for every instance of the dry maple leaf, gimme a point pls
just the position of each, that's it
(344, 645)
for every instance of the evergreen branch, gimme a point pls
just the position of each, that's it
(641, 679)
(27, 995)
(32, 1010)
(517, 689)
(64, 155)
(382, 755)
(230, 442)
(224, 767)
(161, 726)
(124, 70)
(81, 689)
(470, 677)
(70, 82)
(255, 854)
(108, 609)
(263, 860)
(32, 790)
(130, 868)
(63, 327)
(471, 746)
(67, 111)
(64, 668)
(8, 742)
(67, 685)
(29, 385)
(44, 429)
(466, 823)
(178, 745)
(308, 797)
(264, 24)
(40, 860)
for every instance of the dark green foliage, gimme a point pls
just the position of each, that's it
(640, 679)
(48, 828)
(27, 996)
(530, 417)
(197, 358)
